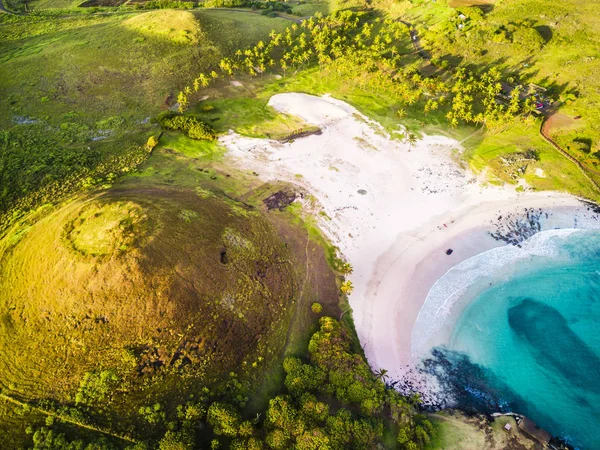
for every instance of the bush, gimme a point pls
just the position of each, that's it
(96, 386)
(191, 126)
(168, 4)
(528, 38)
(151, 143)
(316, 308)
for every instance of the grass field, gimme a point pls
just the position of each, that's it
(52, 4)
(104, 77)
(87, 291)
(231, 31)
(459, 432)
(552, 47)
(106, 299)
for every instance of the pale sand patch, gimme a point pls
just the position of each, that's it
(417, 204)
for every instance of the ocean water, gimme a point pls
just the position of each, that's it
(529, 340)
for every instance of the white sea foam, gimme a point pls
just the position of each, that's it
(462, 283)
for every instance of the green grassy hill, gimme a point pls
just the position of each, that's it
(77, 93)
(165, 290)
(144, 286)
(554, 46)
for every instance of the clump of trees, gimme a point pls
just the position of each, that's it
(353, 48)
(331, 400)
(266, 6)
(96, 386)
(168, 4)
(193, 127)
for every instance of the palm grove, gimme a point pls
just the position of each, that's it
(353, 46)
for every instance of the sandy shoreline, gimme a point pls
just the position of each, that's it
(392, 210)
(409, 269)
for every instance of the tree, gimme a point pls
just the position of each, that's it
(176, 441)
(224, 419)
(96, 386)
(401, 113)
(347, 287)
(411, 139)
(381, 374)
(151, 143)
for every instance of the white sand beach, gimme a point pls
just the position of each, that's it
(392, 210)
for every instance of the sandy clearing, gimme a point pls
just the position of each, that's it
(391, 211)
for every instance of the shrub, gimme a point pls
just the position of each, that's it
(316, 308)
(151, 143)
(153, 414)
(347, 287)
(528, 38)
(168, 4)
(96, 386)
(191, 126)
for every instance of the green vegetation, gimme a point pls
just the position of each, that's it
(165, 309)
(78, 123)
(528, 43)
(457, 432)
(332, 401)
(190, 126)
(124, 331)
(249, 116)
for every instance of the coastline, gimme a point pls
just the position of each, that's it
(391, 208)
(405, 274)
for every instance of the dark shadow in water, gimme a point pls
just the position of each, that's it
(475, 389)
(547, 334)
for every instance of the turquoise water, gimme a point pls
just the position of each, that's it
(535, 335)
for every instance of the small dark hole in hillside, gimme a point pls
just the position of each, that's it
(224, 257)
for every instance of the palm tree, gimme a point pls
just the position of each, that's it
(401, 113)
(381, 374)
(347, 287)
(411, 139)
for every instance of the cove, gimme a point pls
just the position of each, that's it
(530, 341)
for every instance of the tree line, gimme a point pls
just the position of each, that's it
(354, 47)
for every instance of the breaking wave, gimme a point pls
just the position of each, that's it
(465, 281)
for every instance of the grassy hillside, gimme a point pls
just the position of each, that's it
(77, 93)
(134, 310)
(158, 291)
(555, 47)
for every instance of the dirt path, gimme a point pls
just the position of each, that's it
(582, 168)
(65, 419)
(416, 40)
